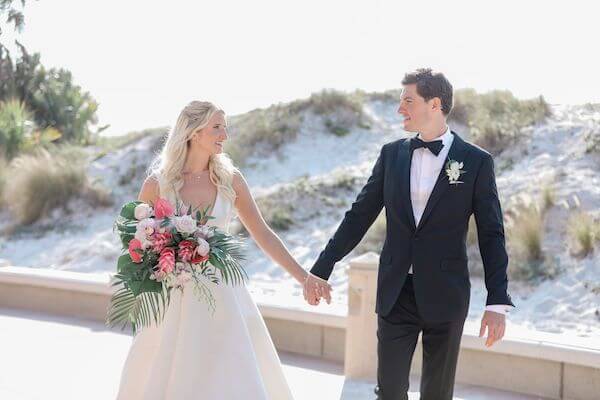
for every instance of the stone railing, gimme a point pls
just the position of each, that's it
(528, 362)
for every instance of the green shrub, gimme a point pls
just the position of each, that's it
(61, 104)
(51, 96)
(15, 125)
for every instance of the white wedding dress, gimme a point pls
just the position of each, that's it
(196, 355)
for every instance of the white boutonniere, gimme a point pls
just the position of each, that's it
(454, 171)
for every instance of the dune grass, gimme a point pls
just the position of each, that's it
(44, 180)
(263, 131)
(583, 231)
(496, 119)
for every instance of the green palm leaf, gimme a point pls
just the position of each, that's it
(138, 311)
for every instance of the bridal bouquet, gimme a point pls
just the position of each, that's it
(164, 251)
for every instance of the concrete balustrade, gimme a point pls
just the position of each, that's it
(528, 362)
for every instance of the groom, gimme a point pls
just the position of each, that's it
(429, 185)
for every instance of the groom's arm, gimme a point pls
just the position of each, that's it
(490, 233)
(356, 222)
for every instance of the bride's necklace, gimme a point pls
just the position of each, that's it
(196, 176)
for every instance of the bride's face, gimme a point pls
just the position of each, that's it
(212, 136)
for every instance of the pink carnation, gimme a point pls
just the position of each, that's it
(134, 245)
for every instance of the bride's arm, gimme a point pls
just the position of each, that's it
(149, 191)
(262, 234)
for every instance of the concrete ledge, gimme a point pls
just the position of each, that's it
(309, 317)
(55, 279)
(538, 345)
(87, 296)
(535, 363)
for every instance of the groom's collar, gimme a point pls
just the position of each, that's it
(446, 137)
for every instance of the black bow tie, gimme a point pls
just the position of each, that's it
(435, 146)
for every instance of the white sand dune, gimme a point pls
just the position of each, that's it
(552, 152)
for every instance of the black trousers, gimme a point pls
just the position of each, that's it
(397, 335)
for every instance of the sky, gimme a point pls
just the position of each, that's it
(143, 61)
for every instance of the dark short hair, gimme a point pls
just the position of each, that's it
(431, 84)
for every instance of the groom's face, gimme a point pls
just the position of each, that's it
(415, 110)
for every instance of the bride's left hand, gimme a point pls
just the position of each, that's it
(316, 288)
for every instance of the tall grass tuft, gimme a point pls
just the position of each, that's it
(583, 231)
(548, 197)
(43, 181)
(525, 234)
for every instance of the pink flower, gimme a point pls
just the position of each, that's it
(186, 250)
(163, 209)
(134, 245)
(166, 261)
(161, 240)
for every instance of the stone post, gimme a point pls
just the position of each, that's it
(361, 332)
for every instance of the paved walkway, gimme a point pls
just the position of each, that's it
(45, 357)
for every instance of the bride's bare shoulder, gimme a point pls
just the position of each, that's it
(150, 190)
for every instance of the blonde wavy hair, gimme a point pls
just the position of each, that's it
(167, 168)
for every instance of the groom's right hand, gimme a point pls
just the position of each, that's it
(316, 288)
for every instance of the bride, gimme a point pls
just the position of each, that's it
(193, 353)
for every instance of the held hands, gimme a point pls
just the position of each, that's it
(496, 324)
(316, 288)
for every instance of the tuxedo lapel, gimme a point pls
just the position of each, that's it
(403, 162)
(457, 152)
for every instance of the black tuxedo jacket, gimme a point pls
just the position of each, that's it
(437, 247)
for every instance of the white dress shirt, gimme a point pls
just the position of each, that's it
(424, 170)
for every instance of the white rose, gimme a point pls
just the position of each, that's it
(185, 224)
(143, 230)
(142, 211)
(203, 247)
